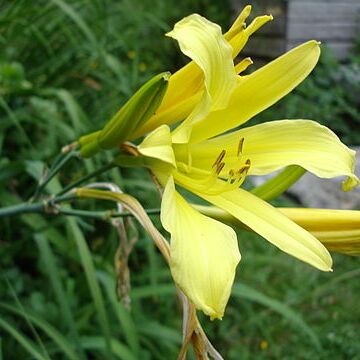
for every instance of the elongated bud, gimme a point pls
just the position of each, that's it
(138, 109)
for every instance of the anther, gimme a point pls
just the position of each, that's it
(244, 170)
(219, 158)
(240, 146)
(219, 168)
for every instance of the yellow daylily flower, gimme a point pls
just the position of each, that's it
(210, 98)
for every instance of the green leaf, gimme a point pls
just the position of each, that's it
(149, 291)
(246, 292)
(30, 347)
(124, 316)
(75, 16)
(55, 281)
(98, 343)
(48, 329)
(90, 273)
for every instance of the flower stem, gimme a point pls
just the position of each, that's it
(103, 215)
(59, 163)
(42, 207)
(86, 177)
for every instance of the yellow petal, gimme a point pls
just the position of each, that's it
(260, 90)
(338, 230)
(239, 22)
(171, 115)
(239, 34)
(324, 219)
(343, 242)
(187, 84)
(277, 144)
(203, 42)
(203, 253)
(158, 145)
(271, 224)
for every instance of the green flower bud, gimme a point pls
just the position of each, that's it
(138, 109)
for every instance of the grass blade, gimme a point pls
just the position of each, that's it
(123, 315)
(98, 343)
(53, 333)
(149, 291)
(67, 9)
(89, 268)
(23, 340)
(246, 292)
(53, 274)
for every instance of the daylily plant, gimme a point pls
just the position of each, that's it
(210, 98)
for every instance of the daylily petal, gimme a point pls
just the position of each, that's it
(273, 226)
(277, 144)
(239, 34)
(203, 42)
(338, 230)
(187, 84)
(158, 145)
(260, 90)
(343, 242)
(324, 219)
(203, 254)
(171, 115)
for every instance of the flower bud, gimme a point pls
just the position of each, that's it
(138, 109)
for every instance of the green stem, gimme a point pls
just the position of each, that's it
(85, 178)
(103, 215)
(45, 206)
(20, 209)
(33, 208)
(59, 163)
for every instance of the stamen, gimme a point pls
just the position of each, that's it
(219, 168)
(213, 182)
(240, 147)
(219, 158)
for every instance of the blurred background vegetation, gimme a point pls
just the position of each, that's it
(65, 68)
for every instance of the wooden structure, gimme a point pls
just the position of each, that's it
(335, 23)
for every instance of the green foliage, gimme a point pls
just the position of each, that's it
(65, 69)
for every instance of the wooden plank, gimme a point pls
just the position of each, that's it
(320, 1)
(260, 7)
(325, 20)
(276, 27)
(320, 10)
(341, 50)
(320, 31)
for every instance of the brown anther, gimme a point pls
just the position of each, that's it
(240, 146)
(219, 168)
(219, 158)
(231, 173)
(244, 170)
